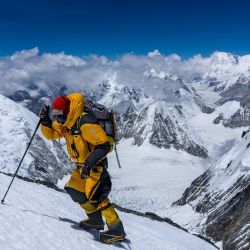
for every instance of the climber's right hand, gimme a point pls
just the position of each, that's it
(44, 116)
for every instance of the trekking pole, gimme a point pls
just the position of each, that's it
(117, 157)
(2, 201)
(115, 137)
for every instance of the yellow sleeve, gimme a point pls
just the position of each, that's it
(52, 133)
(94, 134)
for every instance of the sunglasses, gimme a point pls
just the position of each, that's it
(60, 118)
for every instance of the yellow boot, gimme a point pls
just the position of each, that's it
(116, 231)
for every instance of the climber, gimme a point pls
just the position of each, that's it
(87, 146)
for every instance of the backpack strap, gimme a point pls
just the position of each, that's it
(83, 119)
(98, 155)
(86, 118)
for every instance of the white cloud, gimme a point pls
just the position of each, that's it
(154, 53)
(25, 54)
(29, 67)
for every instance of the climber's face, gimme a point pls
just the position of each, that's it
(59, 116)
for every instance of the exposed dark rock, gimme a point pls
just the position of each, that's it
(239, 91)
(245, 101)
(163, 131)
(225, 204)
(21, 95)
(198, 100)
(198, 186)
(42, 98)
(42, 182)
(33, 86)
(46, 166)
(214, 82)
(228, 227)
(218, 119)
(227, 99)
(238, 236)
(240, 119)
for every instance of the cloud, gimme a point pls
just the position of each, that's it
(47, 70)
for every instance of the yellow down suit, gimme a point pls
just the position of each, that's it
(86, 143)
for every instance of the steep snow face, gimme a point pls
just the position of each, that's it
(222, 196)
(36, 217)
(44, 160)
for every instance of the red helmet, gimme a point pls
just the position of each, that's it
(60, 106)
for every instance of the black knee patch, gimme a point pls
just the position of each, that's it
(76, 195)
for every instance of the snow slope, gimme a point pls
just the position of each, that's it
(151, 179)
(44, 159)
(30, 220)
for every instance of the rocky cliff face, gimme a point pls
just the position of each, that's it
(222, 196)
(241, 118)
(162, 123)
(161, 127)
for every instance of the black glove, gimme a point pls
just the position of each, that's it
(44, 116)
(85, 171)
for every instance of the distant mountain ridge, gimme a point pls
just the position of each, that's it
(143, 118)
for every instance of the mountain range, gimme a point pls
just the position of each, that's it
(194, 109)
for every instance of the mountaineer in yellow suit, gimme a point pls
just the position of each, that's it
(87, 145)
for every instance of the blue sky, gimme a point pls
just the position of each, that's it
(114, 27)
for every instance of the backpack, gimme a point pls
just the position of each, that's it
(105, 118)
